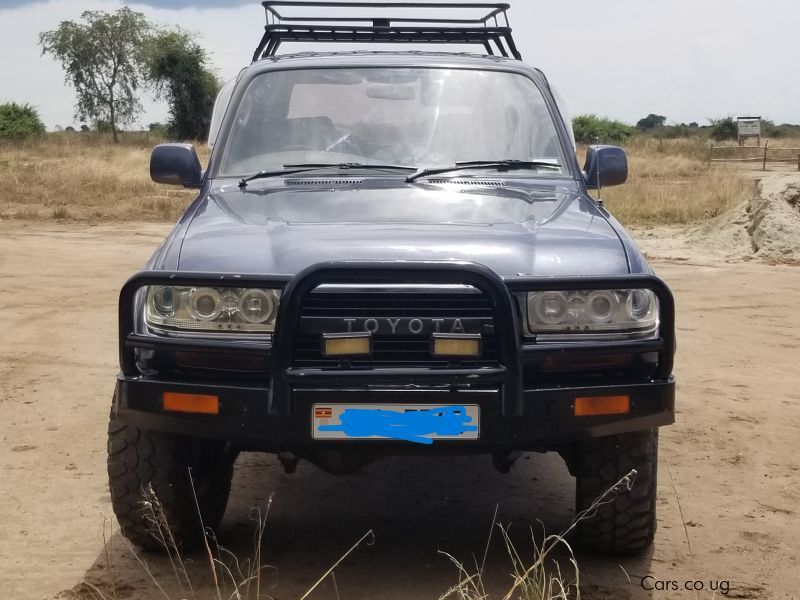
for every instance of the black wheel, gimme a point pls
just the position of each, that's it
(139, 458)
(626, 524)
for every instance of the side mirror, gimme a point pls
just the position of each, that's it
(605, 166)
(176, 164)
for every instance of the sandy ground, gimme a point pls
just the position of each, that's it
(729, 469)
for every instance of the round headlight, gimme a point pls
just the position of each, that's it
(638, 304)
(164, 301)
(256, 306)
(601, 306)
(204, 304)
(550, 308)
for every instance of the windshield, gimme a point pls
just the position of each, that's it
(411, 117)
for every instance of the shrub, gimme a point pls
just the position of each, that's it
(159, 129)
(724, 129)
(771, 130)
(102, 126)
(591, 129)
(674, 132)
(19, 121)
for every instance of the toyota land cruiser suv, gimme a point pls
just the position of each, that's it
(391, 253)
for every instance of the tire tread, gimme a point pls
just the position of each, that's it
(137, 458)
(626, 525)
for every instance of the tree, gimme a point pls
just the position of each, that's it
(724, 129)
(103, 61)
(177, 67)
(651, 121)
(19, 121)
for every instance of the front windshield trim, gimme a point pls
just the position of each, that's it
(567, 160)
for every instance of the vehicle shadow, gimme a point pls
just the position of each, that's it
(416, 509)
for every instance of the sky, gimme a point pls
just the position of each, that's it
(689, 60)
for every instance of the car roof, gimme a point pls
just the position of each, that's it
(408, 58)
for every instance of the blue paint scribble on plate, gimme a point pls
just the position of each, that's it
(412, 426)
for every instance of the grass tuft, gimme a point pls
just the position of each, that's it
(536, 577)
(539, 577)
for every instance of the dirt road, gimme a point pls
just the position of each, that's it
(728, 494)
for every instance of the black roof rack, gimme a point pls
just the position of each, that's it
(388, 23)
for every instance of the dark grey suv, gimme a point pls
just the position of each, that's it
(391, 253)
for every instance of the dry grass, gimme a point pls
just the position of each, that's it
(540, 575)
(672, 182)
(85, 178)
(535, 577)
(227, 576)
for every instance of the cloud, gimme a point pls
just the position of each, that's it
(169, 4)
(685, 59)
(178, 4)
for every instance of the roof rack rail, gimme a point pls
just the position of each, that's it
(387, 23)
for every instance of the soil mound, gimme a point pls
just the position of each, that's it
(774, 219)
(766, 227)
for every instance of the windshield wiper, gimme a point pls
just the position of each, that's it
(500, 165)
(350, 165)
(266, 174)
(305, 167)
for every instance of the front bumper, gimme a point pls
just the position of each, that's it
(518, 409)
(547, 421)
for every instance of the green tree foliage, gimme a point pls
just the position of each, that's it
(651, 121)
(769, 129)
(591, 129)
(177, 67)
(103, 61)
(724, 129)
(19, 121)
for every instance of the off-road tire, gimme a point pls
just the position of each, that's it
(626, 525)
(138, 458)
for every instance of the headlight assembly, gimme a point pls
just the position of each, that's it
(205, 309)
(593, 312)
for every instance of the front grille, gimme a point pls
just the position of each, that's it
(325, 312)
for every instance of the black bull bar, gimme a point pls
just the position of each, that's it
(507, 375)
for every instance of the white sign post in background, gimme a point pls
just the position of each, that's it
(749, 127)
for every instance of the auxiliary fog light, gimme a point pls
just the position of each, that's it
(347, 344)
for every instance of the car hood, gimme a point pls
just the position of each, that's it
(512, 229)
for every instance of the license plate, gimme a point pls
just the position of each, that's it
(416, 423)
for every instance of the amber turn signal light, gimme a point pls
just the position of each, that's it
(593, 406)
(191, 403)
